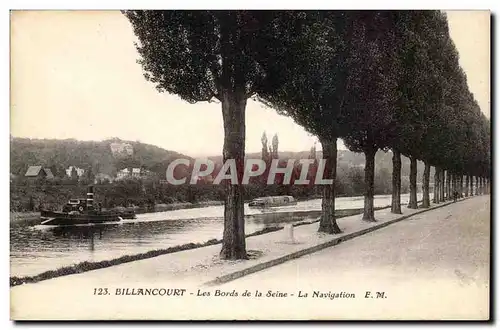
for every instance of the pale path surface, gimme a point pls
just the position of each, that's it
(36, 249)
(433, 265)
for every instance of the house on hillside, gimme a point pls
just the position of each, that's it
(123, 174)
(102, 177)
(39, 172)
(121, 149)
(79, 171)
(133, 173)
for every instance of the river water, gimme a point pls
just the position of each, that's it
(35, 249)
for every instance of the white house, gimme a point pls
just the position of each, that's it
(135, 172)
(100, 177)
(79, 171)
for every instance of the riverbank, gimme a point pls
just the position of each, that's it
(33, 218)
(88, 266)
(26, 218)
(71, 297)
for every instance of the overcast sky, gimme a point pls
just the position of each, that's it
(74, 75)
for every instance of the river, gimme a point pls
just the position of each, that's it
(35, 249)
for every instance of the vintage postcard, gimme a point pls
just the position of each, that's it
(250, 165)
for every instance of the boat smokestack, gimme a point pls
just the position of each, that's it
(90, 197)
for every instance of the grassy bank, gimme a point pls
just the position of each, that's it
(88, 266)
(26, 218)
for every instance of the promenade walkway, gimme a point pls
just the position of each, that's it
(77, 296)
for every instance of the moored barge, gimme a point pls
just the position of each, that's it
(272, 201)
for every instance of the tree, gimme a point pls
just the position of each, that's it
(275, 147)
(372, 93)
(265, 151)
(90, 175)
(314, 95)
(382, 181)
(426, 202)
(227, 56)
(74, 174)
(406, 131)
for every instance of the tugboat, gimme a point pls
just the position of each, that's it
(82, 212)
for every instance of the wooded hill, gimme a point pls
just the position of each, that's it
(346, 159)
(58, 155)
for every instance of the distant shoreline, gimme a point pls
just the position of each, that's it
(88, 265)
(33, 218)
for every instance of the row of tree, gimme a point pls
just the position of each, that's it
(376, 79)
(28, 195)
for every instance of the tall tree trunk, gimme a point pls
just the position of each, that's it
(460, 182)
(327, 223)
(471, 182)
(396, 182)
(461, 185)
(472, 191)
(441, 190)
(426, 202)
(474, 187)
(445, 184)
(369, 211)
(435, 198)
(471, 186)
(413, 183)
(442, 183)
(467, 186)
(233, 113)
(438, 191)
(448, 185)
(477, 185)
(453, 184)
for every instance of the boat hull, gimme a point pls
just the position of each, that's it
(51, 218)
(272, 201)
(266, 205)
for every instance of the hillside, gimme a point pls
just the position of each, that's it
(58, 155)
(111, 155)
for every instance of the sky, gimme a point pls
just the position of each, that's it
(74, 75)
